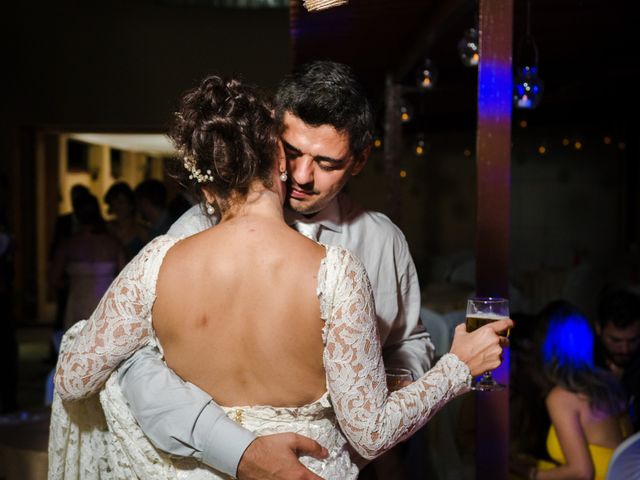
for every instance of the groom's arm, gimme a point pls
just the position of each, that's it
(178, 417)
(408, 344)
(182, 420)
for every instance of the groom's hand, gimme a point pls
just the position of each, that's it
(275, 457)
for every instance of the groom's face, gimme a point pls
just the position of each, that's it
(320, 164)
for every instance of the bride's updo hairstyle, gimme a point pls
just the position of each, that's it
(226, 137)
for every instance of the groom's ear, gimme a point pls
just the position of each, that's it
(360, 161)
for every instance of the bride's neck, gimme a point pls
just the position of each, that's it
(260, 202)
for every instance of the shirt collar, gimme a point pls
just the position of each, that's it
(329, 217)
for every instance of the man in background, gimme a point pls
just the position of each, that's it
(618, 330)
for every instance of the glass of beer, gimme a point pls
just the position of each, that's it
(481, 311)
(398, 378)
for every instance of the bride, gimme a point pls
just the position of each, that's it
(279, 329)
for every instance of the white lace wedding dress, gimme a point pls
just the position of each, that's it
(97, 437)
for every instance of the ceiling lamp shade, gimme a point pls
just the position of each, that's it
(527, 88)
(317, 5)
(469, 49)
(527, 85)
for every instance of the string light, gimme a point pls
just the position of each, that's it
(577, 145)
(542, 149)
(607, 140)
(523, 124)
(403, 173)
(405, 114)
(467, 152)
(426, 76)
(566, 142)
(622, 145)
(420, 147)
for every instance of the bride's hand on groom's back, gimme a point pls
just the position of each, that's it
(275, 457)
(481, 350)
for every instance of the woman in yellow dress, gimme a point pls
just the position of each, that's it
(585, 404)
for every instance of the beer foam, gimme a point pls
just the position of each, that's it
(488, 316)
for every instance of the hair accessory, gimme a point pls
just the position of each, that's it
(210, 209)
(284, 176)
(196, 173)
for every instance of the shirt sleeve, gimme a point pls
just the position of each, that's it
(118, 327)
(408, 344)
(372, 418)
(178, 417)
(191, 222)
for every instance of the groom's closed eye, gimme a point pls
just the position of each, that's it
(290, 151)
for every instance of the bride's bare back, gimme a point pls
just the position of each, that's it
(245, 326)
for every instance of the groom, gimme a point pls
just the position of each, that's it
(327, 129)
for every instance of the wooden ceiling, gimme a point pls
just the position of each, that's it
(587, 56)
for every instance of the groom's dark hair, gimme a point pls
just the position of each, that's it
(327, 93)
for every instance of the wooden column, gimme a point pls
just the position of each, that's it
(493, 153)
(393, 148)
(41, 227)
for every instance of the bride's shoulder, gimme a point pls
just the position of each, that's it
(344, 261)
(152, 255)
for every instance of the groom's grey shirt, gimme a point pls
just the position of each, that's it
(181, 419)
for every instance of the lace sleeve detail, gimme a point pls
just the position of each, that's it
(372, 418)
(119, 326)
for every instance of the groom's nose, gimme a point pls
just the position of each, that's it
(302, 169)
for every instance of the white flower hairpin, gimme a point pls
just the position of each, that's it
(195, 173)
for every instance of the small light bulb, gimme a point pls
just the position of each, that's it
(542, 150)
(405, 114)
(403, 173)
(565, 142)
(577, 145)
(607, 140)
(426, 76)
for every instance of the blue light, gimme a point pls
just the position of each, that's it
(569, 340)
(495, 88)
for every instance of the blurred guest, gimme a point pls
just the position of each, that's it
(151, 196)
(178, 205)
(91, 258)
(618, 348)
(528, 417)
(125, 226)
(586, 404)
(66, 225)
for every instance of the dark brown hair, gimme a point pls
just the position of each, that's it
(227, 128)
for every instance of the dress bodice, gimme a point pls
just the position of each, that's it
(315, 420)
(357, 405)
(600, 456)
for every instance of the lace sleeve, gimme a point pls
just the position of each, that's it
(372, 418)
(119, 326)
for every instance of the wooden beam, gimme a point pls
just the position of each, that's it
(493, 154)
(393, 148)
